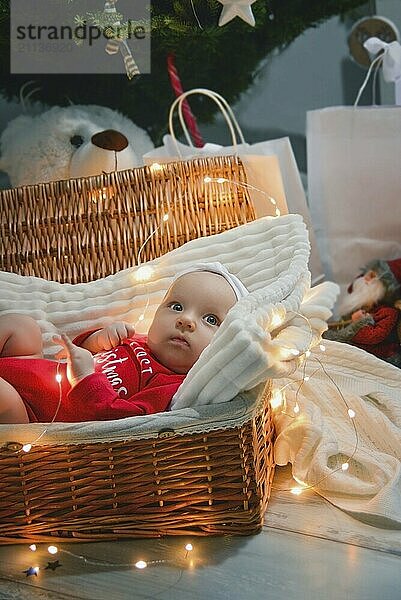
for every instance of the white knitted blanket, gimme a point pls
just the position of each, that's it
(321, 437)
(269, 255)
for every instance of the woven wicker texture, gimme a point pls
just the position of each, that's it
(79, 230)
(200, 485)
(216, 483)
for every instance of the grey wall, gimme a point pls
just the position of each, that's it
(313, 72)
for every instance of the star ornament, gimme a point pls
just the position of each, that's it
(237, 8)
(53, 564)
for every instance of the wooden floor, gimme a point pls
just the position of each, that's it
(308, 550)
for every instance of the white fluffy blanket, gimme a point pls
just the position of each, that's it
(270, 257)
(322, 436)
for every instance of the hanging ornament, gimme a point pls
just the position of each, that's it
(237, 8)
(119, 45)
(366, 28)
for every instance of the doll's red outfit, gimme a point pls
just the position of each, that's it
(380, 338)
(377, 333)
(127, 381)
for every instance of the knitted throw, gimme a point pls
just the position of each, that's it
(269, 255)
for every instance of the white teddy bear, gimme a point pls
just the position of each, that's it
(75, 141)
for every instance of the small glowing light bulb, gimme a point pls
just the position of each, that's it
(221, 180)
(276, 320)
(207, 179)
(189, 547)
(296, 408)
(156, 167)
(297, 491)
(307, 353)
(144, 273)
(322, 347)
(351, 413)
(345, 466)
(32, 547)
(58, 377)
(278, 212)
(52, 549)
(272, 200)
(141, 317)
(26, 447)
(306, 378)
(165, 217)
(141, 564)
(277, 398)
(288, 352)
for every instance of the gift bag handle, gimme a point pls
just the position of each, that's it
(376, 62)
(225, 109)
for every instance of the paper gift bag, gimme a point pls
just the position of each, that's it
(354, 183)
(270, 167)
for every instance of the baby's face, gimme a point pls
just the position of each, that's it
(187, 319)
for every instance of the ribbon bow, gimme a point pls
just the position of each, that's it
(391, 57)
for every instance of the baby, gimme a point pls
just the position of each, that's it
(112, 373)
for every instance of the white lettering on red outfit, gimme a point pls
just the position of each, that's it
(109, 361)
(139, 352)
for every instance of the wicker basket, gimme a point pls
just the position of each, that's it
(200, 484)
(78, 230)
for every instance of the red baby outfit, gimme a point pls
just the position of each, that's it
(127, 381)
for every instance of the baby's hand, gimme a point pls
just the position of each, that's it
(109, 337)
(79, 360)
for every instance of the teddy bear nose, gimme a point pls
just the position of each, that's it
(110, 139)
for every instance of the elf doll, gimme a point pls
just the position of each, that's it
(371, 311)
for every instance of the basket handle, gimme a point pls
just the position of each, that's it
(225, 109)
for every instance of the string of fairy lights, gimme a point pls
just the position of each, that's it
(184, 559)
(28, 446)
(278, 401)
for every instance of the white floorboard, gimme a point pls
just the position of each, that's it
(312, 515)
(308, 550)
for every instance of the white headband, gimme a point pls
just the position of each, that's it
(215, 267)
